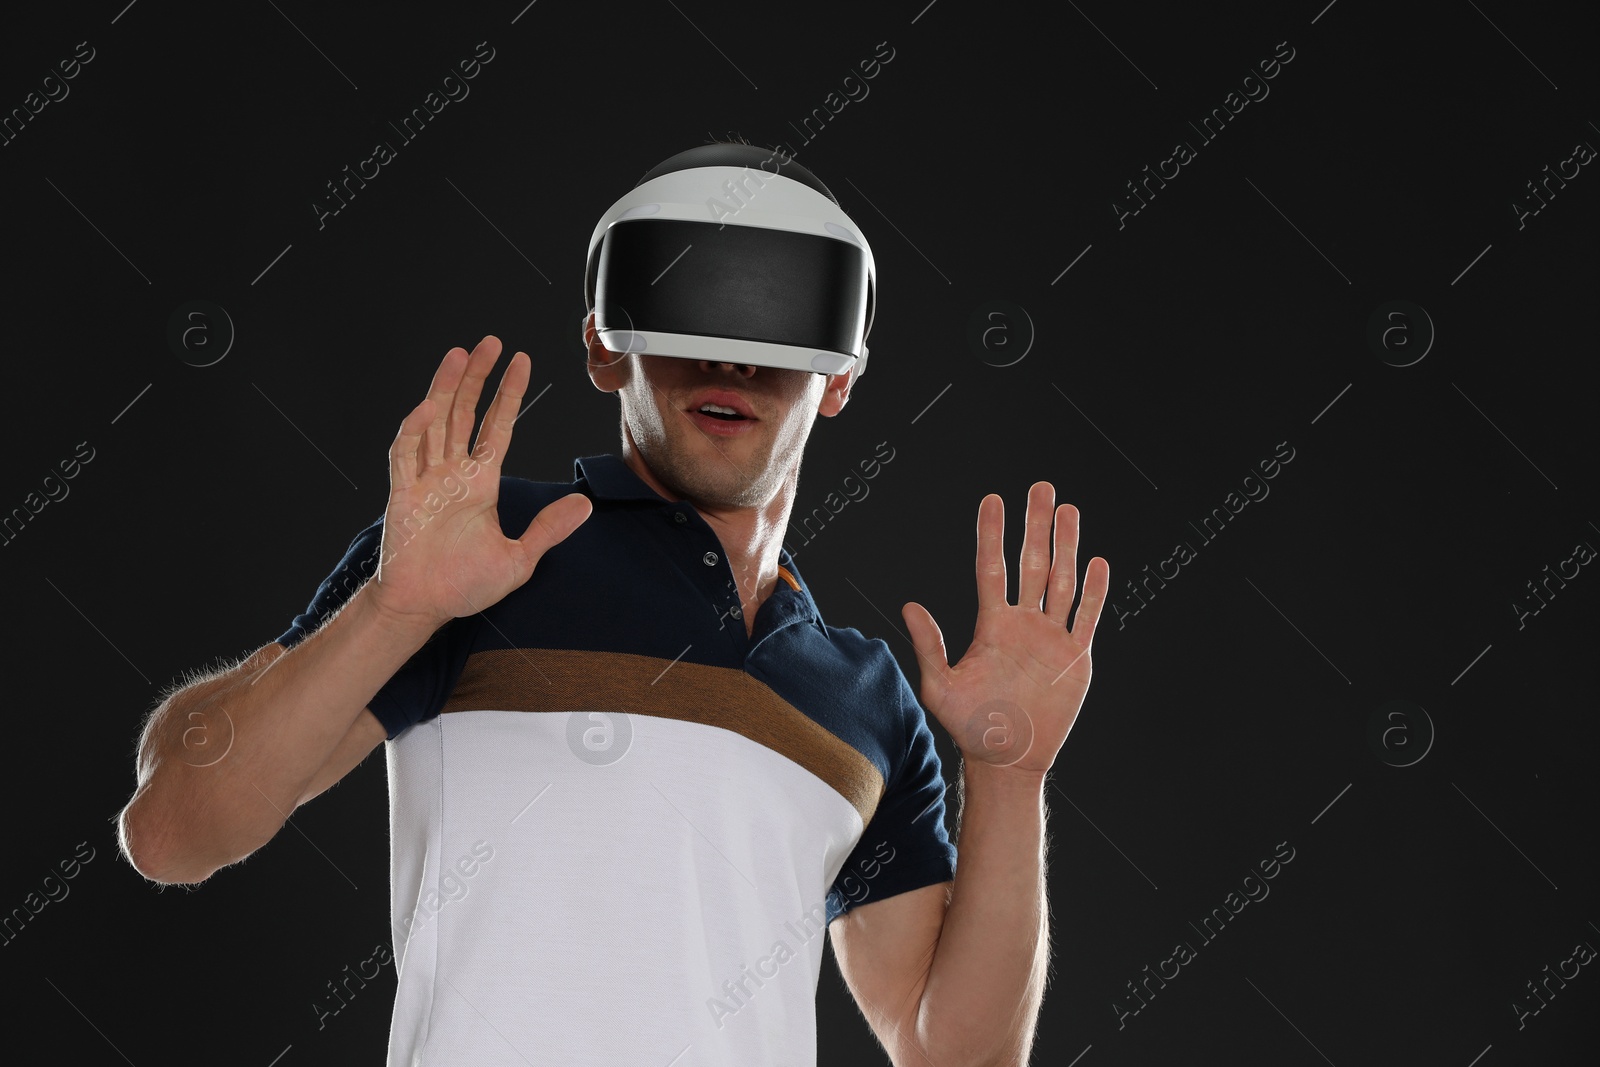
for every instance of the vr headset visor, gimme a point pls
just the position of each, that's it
(732, 263)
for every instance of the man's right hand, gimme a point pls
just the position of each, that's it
(444, 554)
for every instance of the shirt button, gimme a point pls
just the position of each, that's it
(679, 517)
(736, 613)
(709, 559)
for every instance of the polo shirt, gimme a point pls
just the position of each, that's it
(619, 824)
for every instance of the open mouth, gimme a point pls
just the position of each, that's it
(720, 420)
(718, 412)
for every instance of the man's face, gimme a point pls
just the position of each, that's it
(712, 462)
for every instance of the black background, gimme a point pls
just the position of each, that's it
(1231, 314)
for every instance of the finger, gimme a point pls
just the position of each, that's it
(991, 564)
(933, 662)
(494, 437)
(553, 523)
(1064, 572)
(1096, 583)
(403, 452)
(464, 412)
(1033, 569)
(442, 393)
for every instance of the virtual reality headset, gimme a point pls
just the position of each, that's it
(725, 253)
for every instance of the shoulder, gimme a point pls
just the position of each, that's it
(857, 645)
(877, 672)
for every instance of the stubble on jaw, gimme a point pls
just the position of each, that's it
(717, 480)
(714, 480)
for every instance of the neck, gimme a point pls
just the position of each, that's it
(751, 537)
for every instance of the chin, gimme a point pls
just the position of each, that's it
(726, 479)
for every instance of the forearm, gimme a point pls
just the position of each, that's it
(223, 764)
(986, 980)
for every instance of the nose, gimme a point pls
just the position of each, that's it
(744, 369)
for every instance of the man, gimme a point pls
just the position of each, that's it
(633, 774)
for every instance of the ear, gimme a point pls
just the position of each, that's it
(607, 369)
(836, 393)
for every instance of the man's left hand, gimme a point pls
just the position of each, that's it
(1016, 693)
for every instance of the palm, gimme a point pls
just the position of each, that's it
(1015, 694)
(444, 553)
(468, 565)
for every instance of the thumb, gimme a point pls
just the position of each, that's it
(933, 662)
(553, 523)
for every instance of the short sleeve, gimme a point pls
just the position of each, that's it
(360, 562)
(419, 689)
(905, 846)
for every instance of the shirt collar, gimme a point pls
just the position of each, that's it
(610, 478)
